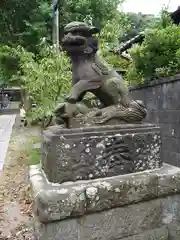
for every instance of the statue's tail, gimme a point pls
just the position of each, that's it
(136, 112)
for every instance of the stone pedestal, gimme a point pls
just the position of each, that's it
(136, 206)
(106, 182)
(100, 151)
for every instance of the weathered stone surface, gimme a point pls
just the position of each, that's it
(101, 151)
(155, 234)
(60, 201)
(142, 221)
(174, 231)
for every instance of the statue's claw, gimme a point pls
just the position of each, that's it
(59, 109)
(65, 110)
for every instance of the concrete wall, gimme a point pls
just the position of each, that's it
(162, 99)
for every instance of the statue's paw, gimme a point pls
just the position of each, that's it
(105, 116)
(95, 113)
(59, 121)
(65, 110)
(103, 120)
(60, 108)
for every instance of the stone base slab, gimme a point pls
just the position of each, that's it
(137, 206)
(54, 202)
(151, 220)
(99, 151)
(155, 234)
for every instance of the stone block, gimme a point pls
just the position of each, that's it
(142, 221)
(99, 151)
(151, 100)
(54, 202)
(167, 157)
(171, 144)
(116, 223)
(136, 206)
(169, 116)
(155, 234)
(174, 231)
(175, 131)
(175, 159)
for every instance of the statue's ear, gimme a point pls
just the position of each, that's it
(94, 30)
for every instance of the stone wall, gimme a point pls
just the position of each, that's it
(162, 99)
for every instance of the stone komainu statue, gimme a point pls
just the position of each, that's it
(91, 73)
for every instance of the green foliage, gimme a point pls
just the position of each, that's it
(33, 153)
(138, 23)
(158, 56)
(45, 78)
(9, 63)
(108, 39)
(117, 62)
(12, 19)
(100, 11)
(111, 32)
(38, 26)
(26, 22)
(132, 75)
(34, 156)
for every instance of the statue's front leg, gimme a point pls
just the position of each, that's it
(76, 93)
(79, 90)
(106, 114)
(65, 111)
(72, 105)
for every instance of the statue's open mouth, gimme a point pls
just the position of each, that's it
(73, 41)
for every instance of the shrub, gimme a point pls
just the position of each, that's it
(9, 64)
(45, 78)
(158, 56)
(109, 40)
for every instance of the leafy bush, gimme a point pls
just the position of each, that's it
(9, 64)
(45, 78)
(112, 31)
(117, 62)
(158, 56)
(109, 39)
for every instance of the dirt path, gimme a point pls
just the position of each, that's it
(15, 200)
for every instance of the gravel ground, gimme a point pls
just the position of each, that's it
(15, 199)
